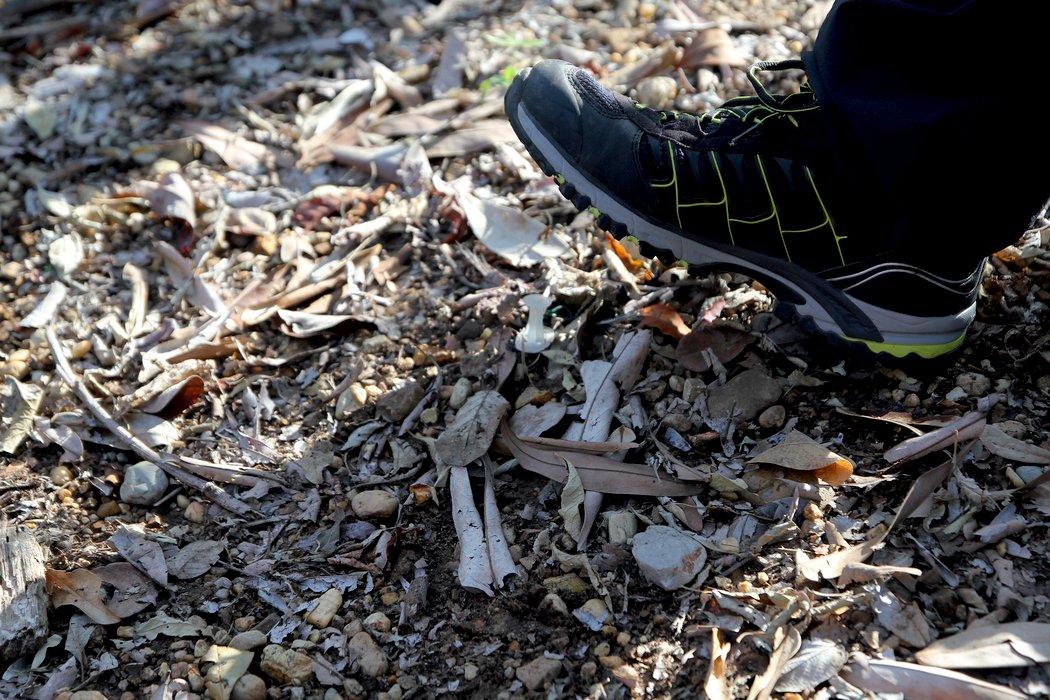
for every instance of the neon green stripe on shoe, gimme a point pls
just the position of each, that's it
(903, 350)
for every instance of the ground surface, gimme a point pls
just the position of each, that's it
(281, 294)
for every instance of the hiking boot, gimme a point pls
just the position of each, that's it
(749, 187)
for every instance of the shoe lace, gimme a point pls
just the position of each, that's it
(751, 111)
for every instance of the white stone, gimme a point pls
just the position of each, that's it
(669, 558)
(144, 484)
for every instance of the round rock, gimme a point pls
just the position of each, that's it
(144, 484)
(374, 505)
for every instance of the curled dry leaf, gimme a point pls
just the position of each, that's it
(968, 427)
(176, 399)
(82, 589)
(475, 566)
(991, 646)
(800, 453)
(665, 319)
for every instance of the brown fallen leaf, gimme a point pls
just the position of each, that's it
(665, 319)
(723, 342)
(800, 453)
(176, 399)
(991, 646)
(82, 589)
(597, 473)
(630, 260)
(968, 427)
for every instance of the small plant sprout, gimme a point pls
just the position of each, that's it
(534, 337)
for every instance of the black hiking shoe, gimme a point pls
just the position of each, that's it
(746, 188)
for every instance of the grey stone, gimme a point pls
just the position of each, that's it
(144, 484)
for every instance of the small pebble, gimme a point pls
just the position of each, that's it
(378, 621)
(773, 417)
(374, 505)
(144, 484)
(327, 606)
(912, 401)
(249, 687)
(538, 672)
(61, 475)
(196, 512)
(107, 509)
(594, 614)
(461, 391)
(371, 659)
(668, 557)
(249, 641)
(974, 384)
(285, 665)
(80, 349)
(470, 672)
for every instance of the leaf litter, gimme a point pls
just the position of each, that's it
(280, 254)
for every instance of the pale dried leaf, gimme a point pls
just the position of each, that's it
(816, 661)
(145, 555)
(195, 559)
(470, 434)
(506, 231)
(991, 646)
(173, 198)
(43, 313)
(500, 558)
(999, 443)
(571, 502)
(917, 682)
(236, 151)
(168, 626)
(966, 428)
(22, 414)
(229, 665)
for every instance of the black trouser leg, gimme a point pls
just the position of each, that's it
(937, 119)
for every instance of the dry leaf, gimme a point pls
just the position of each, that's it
(470, 434)
(475, 567)
(799, 452)
(236, 151)
(966, 428)
(82, 589)
(145, 555)
(1007, 447)
(176, 399)
(917, 682)
(229, 665)
(597, 473)
(723, 342)
(991, 646)
(665, 319)
(195, 559)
